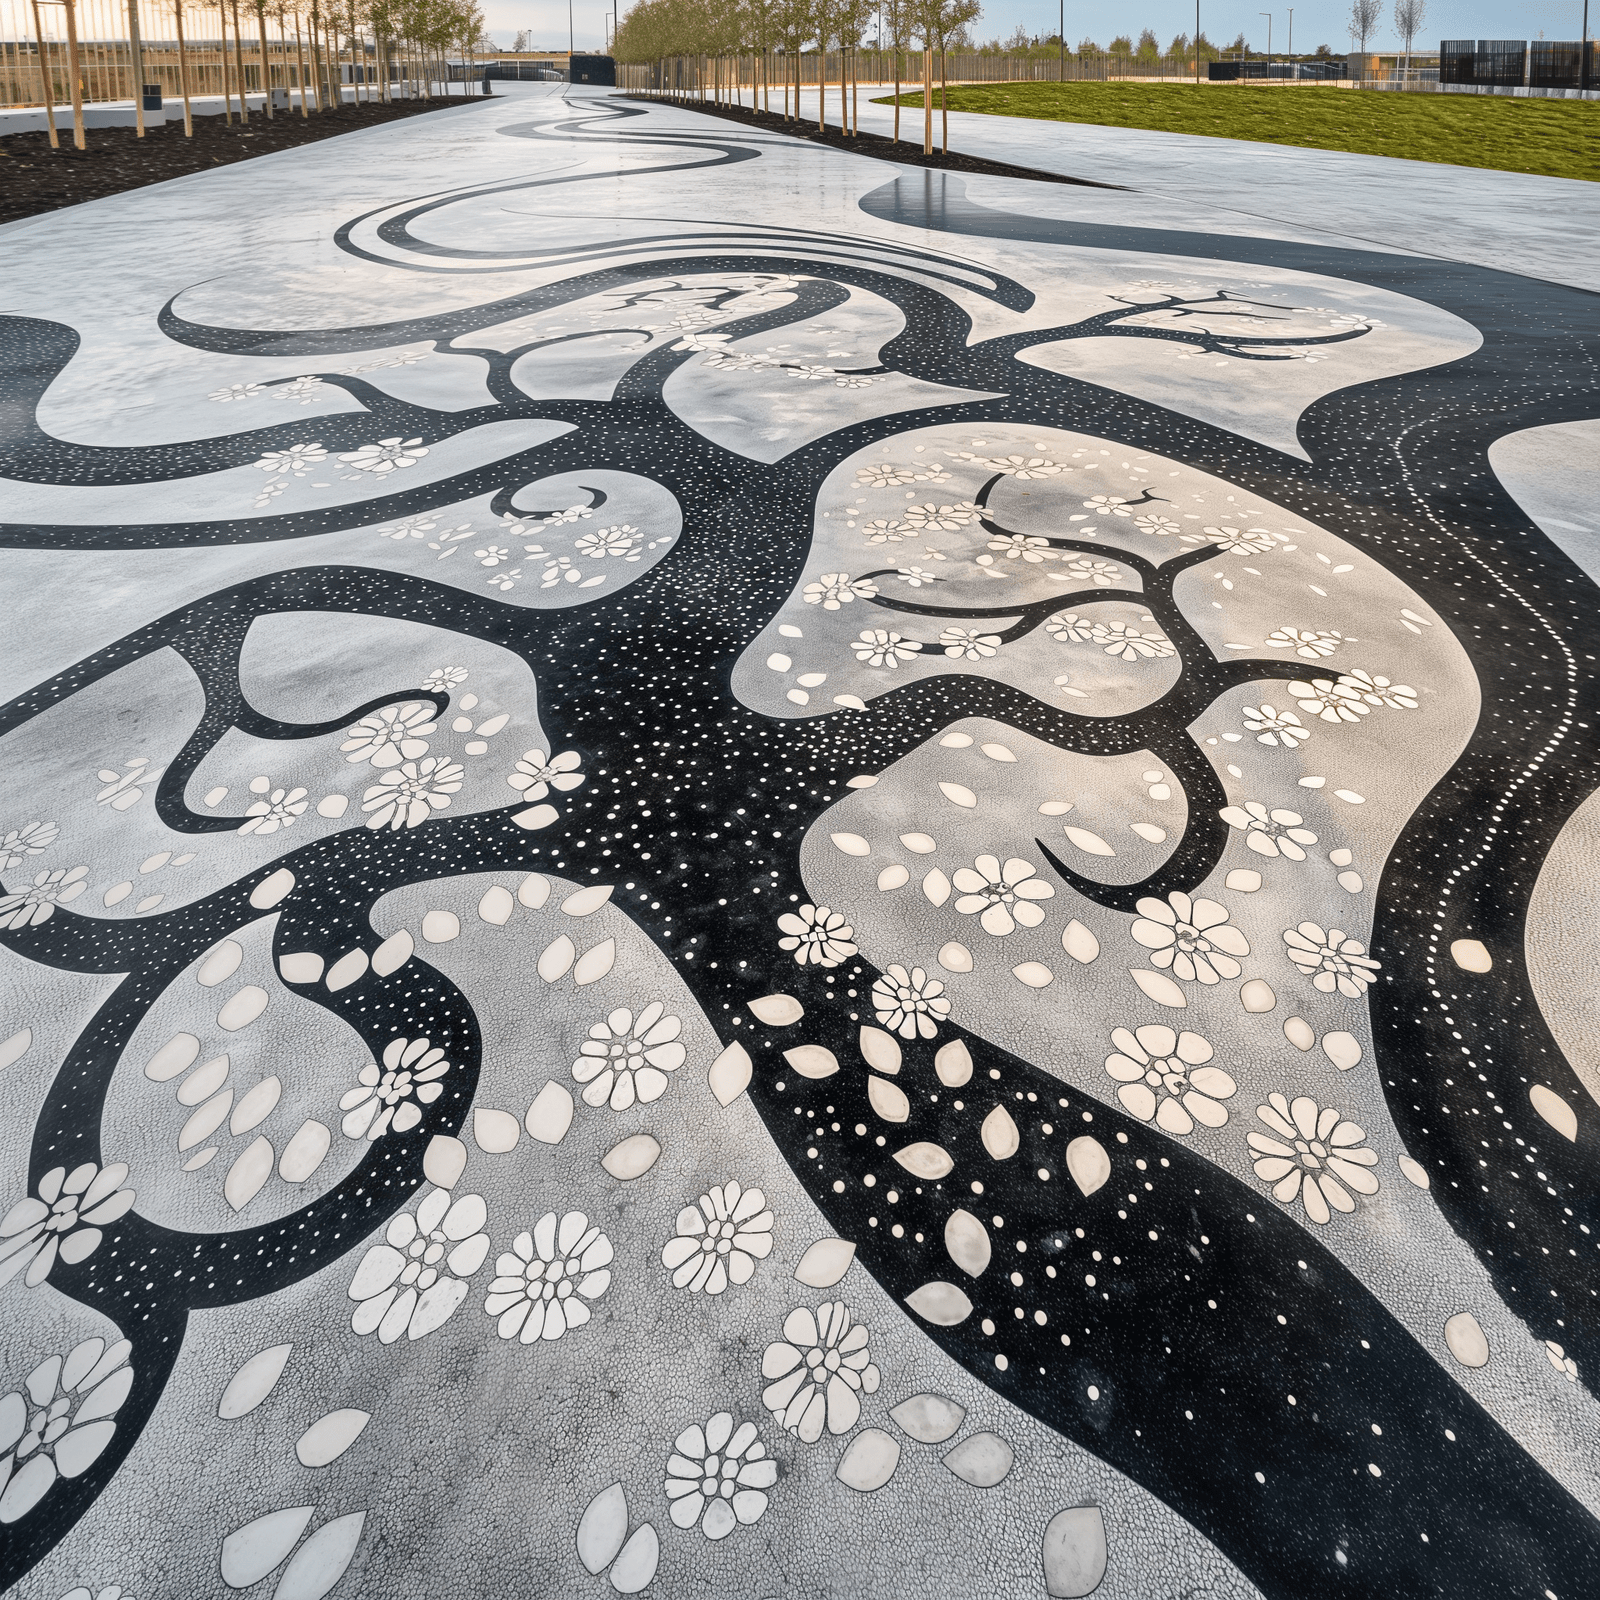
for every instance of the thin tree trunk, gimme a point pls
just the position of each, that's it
(897, 93)
(183, 72)
(227, 90)
(305, 87)
(136, 50)
(266, 80)
(72, 68)
(49, 89)
(238, 65)
(944, 100)
(927, 102)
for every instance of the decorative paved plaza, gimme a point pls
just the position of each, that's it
(734, 872)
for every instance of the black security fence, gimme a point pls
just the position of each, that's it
(1289, 71)
(1515, 63)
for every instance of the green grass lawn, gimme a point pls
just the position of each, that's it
(1559, 138)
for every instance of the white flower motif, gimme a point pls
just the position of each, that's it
(968, 644)
(390, 736)
(916, 576)
(881, 647)
(1101, 574)
(1561, 1361)
(31, 839)
(719, 1241)
(718, 1476)
(303, 391)
(1192, 937)
(59, 1422)
(1072, 629)
(1270, 833)
(38, 901)
(571, 514)
(1311, 643)
(1108, 505)
(1003, 896)
(909, 1003)
(415, 527)
(835, 589)
(278, 810)
(556, 570)
(1129, 644)
(543, 1284)
(854, 380)
(235, 391)
(1378, 691)
(125, 789)
(392, 1095)
(1274, 727)
(492, 555)
(66, 1218)
(820, 1368)
(1029, 547)
(816, 935)
(1330, 959)
(626, 1060)
(882, 531)
(387, 455)
(449, 540)
(1017, 466)
(414, 1282)
(948, 518)
(269, 492)
(621, 540)
(1315, 1150)
(298, 459)
(1164, 1076)
(1329, 701)
(407, 795)
(537, 774)
(1236, 541)
(1161, 527)
(702, 341)
(442, 679)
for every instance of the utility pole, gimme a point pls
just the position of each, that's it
(572, 48)
(1583, 50)
(1197, 41)
(1290, 51)
(1061, 39)
(1268, 16)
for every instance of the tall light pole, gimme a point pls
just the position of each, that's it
(572, 48)
(1268, 16)
(1061, 39)
(1290, 51)
(1583, 50)
(1197, 41)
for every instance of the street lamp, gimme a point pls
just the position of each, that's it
(1290, 51)
(1061, 39)
(1268, 16)
(1197, 41)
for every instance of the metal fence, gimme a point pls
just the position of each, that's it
(1284, 71)
(1515, 63)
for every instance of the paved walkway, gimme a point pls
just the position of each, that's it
(727, 871)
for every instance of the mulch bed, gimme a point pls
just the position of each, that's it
(880, 145)
(35, 178)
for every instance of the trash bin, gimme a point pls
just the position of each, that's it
(152, 96)
(280, 98)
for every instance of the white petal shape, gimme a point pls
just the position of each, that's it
(393, 953)
(812, 1060)
(494, 1131)
(435, 1307)
(920, 844)
(997, 752)
(253, 1382)
(1466, 1340)
(1158, 987)
(594, 964)
(220, 964)
(443, 1161)
(940, 1303)
(205, 1121)
(1342, 1049)
(851, 844)
(602, 1528)
(27, 1488)
(880, 1050)
(981, 1459)
(1088, 1165)
(557, 959)
(953, 1064)
(825, 1263)
(870, 1460)
(535, 817)
(1299, 1033)
(929, 1418)
(78, 1450)
(936, 887)
(1242, 880)
(958, 794)
(587, 900)
(926, 1160)
(1554, 1110)
(893, 877)
(329, 1437)
(551, 1113)
(203, 1082)
(304, 1152)
(1074, 1553)
(272, 889)
(533, 891)
(1000, 1134)
(967, 1241)
(15, 1048)
(635, 1568)
(1035, 974)
(888, 1100)
(1257, 996)
(1471, 955)
(1414, 1171)
(955, 957)
(322, 1560)
(248, 1174)
(180, 1051)
(243, 1008)
(303, 966)
(1079, 942)
(731, 1073)
(440, 927)
(777, 1010)
(1090, 843)
(256, 1106)
(251, 1552)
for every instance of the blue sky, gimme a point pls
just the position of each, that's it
(1316, 22)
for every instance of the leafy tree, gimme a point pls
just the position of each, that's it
(1149, 48)
(1122, 45)
(1179, 45)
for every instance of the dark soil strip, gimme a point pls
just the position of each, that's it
(35, 178)
(876, 144)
